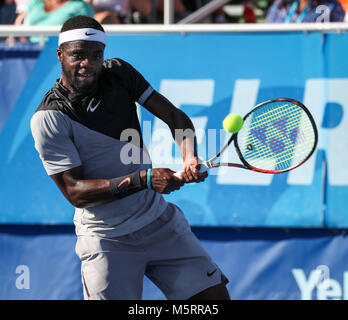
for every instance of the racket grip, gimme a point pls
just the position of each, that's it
(203, 168)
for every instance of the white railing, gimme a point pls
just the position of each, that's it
(16, 31)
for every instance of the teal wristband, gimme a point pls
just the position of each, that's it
(148, 179)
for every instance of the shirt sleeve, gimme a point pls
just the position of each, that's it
(139, 88)
(53, 141)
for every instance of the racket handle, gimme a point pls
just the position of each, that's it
(203, 168)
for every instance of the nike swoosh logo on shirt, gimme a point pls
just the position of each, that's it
(95, 107)
(209, 274)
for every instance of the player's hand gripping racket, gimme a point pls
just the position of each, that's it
(276, 136)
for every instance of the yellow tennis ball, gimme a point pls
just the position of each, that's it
(233, 123)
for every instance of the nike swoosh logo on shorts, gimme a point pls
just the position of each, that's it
(209, 274)
(95, 107)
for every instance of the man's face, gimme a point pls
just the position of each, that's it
(81, 64)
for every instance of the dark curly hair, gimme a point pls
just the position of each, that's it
(79, 22)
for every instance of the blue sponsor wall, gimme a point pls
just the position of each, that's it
(39, 263)
(240, 216)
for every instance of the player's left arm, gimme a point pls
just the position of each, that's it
(183, 132)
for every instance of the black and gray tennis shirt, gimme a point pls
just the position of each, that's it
(71, 130)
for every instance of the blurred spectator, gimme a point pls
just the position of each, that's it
(181, 9)
(7, 11)
(51, 12)
(55, 12)
(305, 11)
(21, 5)
(119, 11)
(344, 4)
(218, 16)
(248, 12)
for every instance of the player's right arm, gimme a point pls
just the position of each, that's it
(83, 193)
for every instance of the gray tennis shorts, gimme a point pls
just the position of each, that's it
(166, 251)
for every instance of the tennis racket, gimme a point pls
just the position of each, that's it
(277, 136)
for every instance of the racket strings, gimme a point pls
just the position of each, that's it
(291, 120)
(287, 156)
(276, 136)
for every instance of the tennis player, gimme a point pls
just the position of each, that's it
(125, 228)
